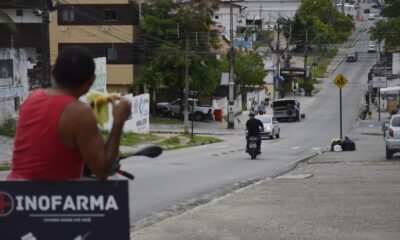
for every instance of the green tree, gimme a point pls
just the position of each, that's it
(321, 21)
(165, 26)
(392, 9)
(249, 69)
(388, 30)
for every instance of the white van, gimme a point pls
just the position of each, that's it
(371, 48)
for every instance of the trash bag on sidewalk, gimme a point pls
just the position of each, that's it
(337, 148)
(336, 141)
(348, 144)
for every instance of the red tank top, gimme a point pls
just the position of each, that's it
(39, 153)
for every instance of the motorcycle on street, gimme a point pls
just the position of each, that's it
(253, 147)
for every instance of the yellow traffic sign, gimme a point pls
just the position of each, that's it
(340, 81)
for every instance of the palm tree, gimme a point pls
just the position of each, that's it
(9, 23)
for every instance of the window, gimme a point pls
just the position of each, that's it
(396, 122)
(19, 12)
(67, 15)
(111, 54)
(110, 15)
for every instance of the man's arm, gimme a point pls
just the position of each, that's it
(99, 156)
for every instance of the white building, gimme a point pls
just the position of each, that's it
(268, 10)
(222, 18)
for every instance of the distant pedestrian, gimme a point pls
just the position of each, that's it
(281, 93)
(267, 98)
(261, 108)
(367, 98)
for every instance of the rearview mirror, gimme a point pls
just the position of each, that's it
(150, 151)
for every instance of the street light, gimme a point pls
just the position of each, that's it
(231, 122)
(279, 21)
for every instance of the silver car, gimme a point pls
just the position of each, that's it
(271, 127)
(392, 136)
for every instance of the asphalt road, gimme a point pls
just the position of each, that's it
(183, 178)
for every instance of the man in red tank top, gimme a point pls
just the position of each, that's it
(57, 134)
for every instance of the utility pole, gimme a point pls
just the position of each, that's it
(305, 56)
(278, 60)
(44, 12)
(261, 18)
(186, 101)
(231, 122)
(343, 7)
(46, 42)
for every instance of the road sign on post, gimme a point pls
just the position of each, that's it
(340, 81)
(379, 82)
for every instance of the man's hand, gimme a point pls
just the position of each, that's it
(121, 110)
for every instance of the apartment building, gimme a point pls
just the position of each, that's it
(107, 28)
(19, 54)
(28, 24)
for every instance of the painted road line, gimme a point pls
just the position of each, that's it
(221, 146)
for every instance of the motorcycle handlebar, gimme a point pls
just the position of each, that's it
(126, 174)
(150, 151)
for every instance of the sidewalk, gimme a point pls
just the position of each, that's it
(337, 195)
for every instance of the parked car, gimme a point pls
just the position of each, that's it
(288, 109)
(171, 109)
(371, 16)
(367, 10)
(392, 136)
(352, 57)
(271, 127)
(372, 48)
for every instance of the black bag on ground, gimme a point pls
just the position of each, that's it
(348, 144)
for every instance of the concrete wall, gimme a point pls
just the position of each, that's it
(13, 81)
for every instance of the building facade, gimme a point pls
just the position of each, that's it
(20, 55)
(108, 28)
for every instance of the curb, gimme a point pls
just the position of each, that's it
(200, 133)
(204, 200)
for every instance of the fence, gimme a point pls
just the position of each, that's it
(8, 109)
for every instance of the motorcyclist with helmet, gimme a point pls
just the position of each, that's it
(253, 127)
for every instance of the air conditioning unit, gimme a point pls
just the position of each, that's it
(105, 28)
(64, 29)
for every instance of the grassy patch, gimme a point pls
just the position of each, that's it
(201, 140)
(8, 128)
(323, 60)
(167, 141)
(182, 141)
(171, 141)
(157, 120)
(131, 139)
